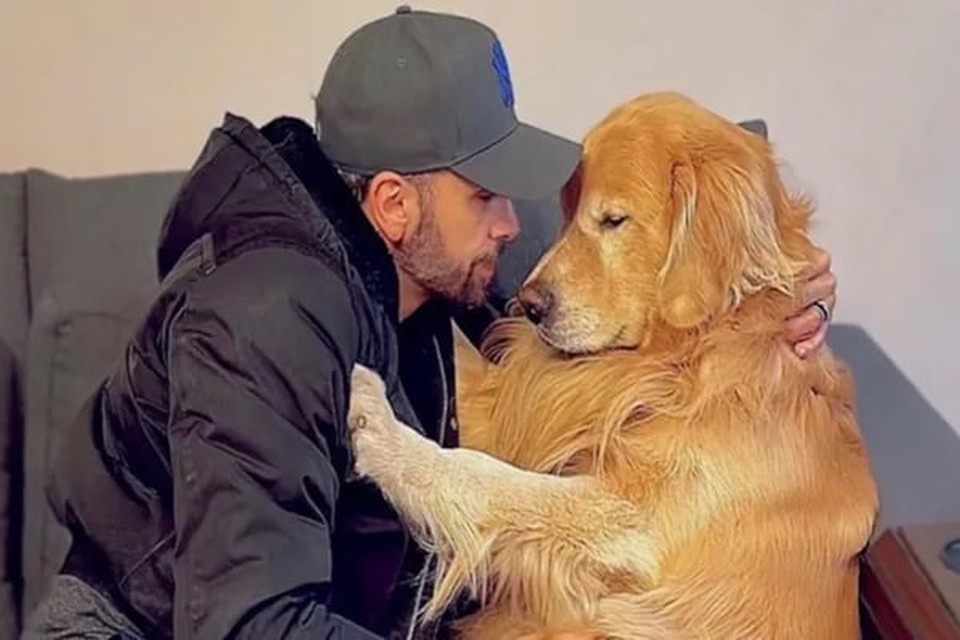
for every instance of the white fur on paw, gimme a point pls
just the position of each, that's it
(371, 420)
(369, 407)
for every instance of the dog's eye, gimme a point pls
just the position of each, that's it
(612, 220)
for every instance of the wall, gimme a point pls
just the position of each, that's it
(861, 96)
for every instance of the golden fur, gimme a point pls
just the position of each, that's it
(660, 464)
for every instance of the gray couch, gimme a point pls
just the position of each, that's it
(77, 268)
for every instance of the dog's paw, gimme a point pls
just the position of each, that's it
(369, 407)
(371, 420)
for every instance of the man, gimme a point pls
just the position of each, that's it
(207, 485)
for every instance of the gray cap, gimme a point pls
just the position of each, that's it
(419, 91)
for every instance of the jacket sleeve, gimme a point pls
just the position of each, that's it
(258, 388)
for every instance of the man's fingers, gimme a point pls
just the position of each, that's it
(807, 347)
(803, 326)
(819, 264)
(821, 287)
(806, 331)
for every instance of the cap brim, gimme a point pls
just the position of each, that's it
(528, 164)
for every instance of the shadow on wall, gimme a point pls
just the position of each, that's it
(914, 452)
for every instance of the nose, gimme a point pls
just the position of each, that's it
(536, 300)
(506, 227)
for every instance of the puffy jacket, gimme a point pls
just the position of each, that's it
(207, 483)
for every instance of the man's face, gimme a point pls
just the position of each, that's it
(462, 229)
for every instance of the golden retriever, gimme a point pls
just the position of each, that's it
(644, 456)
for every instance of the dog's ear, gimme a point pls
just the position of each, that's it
(724, 241)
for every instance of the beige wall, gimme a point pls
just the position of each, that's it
(862, 96)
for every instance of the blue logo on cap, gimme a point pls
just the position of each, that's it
(503, 74)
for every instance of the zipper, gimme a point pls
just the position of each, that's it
(444, 415)
(428, 565)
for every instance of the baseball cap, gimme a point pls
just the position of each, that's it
(420, 91)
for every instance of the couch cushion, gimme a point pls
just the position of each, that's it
(96, 237)
(91, 246)
(70, 353)
(14, 311)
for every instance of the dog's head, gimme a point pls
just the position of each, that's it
(673, 217)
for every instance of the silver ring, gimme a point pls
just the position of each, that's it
(821, 306)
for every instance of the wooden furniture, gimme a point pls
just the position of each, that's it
(910, 584)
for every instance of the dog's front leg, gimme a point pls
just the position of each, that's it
(494, 524)
(414, 473)
(445, 495)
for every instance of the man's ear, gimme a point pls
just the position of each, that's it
(724, 241)
(390, 204)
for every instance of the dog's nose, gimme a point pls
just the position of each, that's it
(536, 300)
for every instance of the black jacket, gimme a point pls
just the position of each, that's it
(207, 483)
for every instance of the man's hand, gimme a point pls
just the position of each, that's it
(806, 330)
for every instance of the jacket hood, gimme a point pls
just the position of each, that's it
(275, 173)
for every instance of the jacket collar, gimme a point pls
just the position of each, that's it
(425, 338)
(295, 142)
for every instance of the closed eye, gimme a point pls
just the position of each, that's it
(612, 220)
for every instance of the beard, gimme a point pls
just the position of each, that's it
(424, 259)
